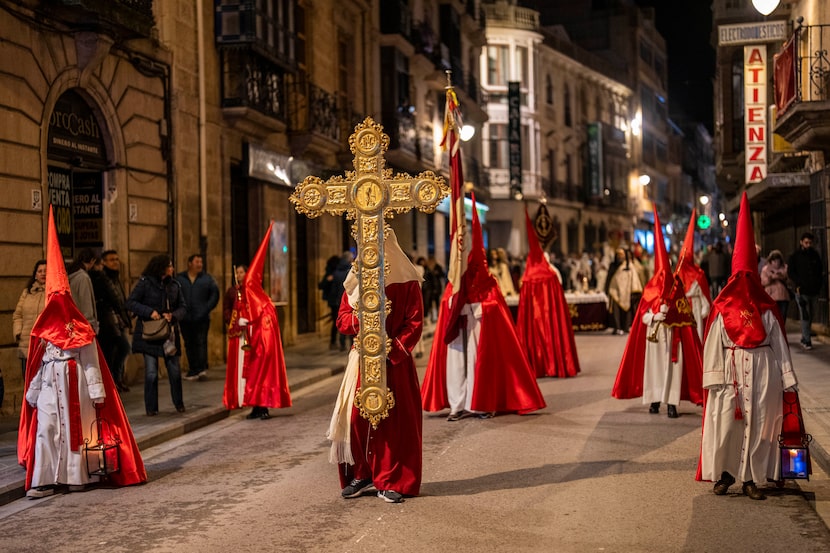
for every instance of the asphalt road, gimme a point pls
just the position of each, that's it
(588, 473)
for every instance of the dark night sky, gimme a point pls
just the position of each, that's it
(687, 25)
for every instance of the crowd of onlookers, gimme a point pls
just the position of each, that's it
(184, 301)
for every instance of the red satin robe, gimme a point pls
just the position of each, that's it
(231, 397)
(391, 455)
(544, 324)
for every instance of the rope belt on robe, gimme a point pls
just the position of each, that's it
(739, 415)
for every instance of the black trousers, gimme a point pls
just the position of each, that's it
(195, 335)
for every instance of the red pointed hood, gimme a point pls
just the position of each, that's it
(536, 266)
(743, 300)
(252, 283)
(658, 288)
(686, 269)
(60, 322)
(477, 279)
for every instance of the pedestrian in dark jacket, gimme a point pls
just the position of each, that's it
(158, 295)
(201, 294)
(805, 269)
(337, 268)
(108, 306)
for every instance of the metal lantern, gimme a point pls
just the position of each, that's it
(102, 458)
(795, 458)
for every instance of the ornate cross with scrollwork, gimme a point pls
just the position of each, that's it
(367, 196)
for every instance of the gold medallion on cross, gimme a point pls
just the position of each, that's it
(367, 196)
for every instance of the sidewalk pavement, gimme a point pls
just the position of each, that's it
(307, 363)
(311, 362)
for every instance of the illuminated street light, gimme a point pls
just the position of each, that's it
(721, 216)
(644, 179)
(636, 124)
(704, 200)
(467, 132)
(765, 7)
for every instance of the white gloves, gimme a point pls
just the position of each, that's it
(242, 321)
(664, 308)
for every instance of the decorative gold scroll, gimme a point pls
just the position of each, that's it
(367, 196)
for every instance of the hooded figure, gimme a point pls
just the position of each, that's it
(68, 387)
(260, 381)
(479, 367)
(694, 279)
(747, 368)
(661, 361)
(544, 322)
(389, 458)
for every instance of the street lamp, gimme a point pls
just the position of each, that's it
(644, 179)
(704, 200)
(765, 7)
(467, 132)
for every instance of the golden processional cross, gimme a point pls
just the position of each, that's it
(367, 196)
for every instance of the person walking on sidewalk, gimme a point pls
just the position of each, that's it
(805, 270)
(201, 294)
(158, 295)
(109, 323)
(747, 368)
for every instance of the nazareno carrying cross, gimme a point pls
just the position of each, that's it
(367, 196)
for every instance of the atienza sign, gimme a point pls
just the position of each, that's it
(755, 112)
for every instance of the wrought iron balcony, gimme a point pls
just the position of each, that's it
(247, 23)
(802, 82)
(124, 17)
(401, 130)
(249, 80)
(313, 110)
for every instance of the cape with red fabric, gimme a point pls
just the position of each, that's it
(743, 300)
(544, 323)
(391, 454)
(266, 381)
(62, 324)
(504, 380)
(662, 288)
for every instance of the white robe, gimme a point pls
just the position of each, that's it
(461, 370)
(48, 391)
(746, 448)
(700, 307)
(661, 377)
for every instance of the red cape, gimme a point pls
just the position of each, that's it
(266, 381)
(132, 466)
(544, 323)
(629, 381)
(434, 389)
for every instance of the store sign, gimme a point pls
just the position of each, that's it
(595, 159)
(750, 33)
(755, 112)
(59, 191)
(74, 133)
(88, 210)
(270, 166)
(514, 133)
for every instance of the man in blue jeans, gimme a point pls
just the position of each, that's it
(805, 270)
(201, 294)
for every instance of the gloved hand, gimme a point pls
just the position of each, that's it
(664, 308)
(661, 316)
(242, 321)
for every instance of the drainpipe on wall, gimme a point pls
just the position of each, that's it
(200, 53)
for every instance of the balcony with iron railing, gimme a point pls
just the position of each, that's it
(252, 82)
(128, 18)
(802, 88)
(315, 118)
(502, 14)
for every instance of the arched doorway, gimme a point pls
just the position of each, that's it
(77, 159)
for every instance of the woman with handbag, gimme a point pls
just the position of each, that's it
(158, 303)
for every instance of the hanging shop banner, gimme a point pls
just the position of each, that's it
(514, 133)
(59, 191)
(595, 159)
(755, 112)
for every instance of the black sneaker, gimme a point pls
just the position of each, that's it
(458, 415)
(356, 488)
(390, 496)
(40, 491)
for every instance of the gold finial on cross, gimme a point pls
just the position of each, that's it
(368, 195)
